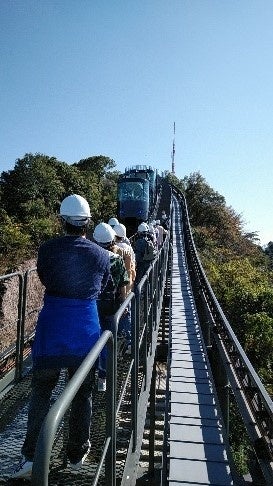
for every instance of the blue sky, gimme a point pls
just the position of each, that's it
(87, 77)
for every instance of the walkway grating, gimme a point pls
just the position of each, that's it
(197, 449)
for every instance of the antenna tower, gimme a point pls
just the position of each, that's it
(173, 152)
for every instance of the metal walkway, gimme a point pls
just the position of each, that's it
(13, 422)
(196, 445)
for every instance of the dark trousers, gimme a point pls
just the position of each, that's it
(141, 269)
(106, 324)
(43, 383)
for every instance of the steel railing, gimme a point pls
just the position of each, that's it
(18, 346)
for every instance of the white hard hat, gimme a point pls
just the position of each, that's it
(143, 227)
(154, 222)
(103, 233)
(120, 230)
(75, 210)
(151, 227)
(113, 221)
(157, 221)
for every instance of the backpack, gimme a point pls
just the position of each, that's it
(108, 301)
(129, 263)
(150, 252)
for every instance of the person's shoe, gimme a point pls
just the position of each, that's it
(102, 384)
(23, 470)
(77, 465)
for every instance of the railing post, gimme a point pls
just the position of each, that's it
(134, 373)
(152, 422)
(20, 331)
(147, 336)
(111, 378)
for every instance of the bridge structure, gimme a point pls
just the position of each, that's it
(165, 416)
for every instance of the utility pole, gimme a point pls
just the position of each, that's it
(173, 152)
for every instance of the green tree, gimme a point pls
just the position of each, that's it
(98, 182)
(175, 181)
(14, 242)
(33, 177)
(108, 203)
(269, 252)
(259, 345)
(98, 164)
(204, 203)
(31, 194)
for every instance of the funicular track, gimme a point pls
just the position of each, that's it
(196, 450)
(234, 379)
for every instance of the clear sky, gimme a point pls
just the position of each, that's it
(86, 77)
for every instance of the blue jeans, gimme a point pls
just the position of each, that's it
(124, 329)
(106, 324)
(43, 383)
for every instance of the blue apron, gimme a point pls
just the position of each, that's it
(66, 331)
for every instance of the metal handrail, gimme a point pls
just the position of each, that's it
(19, 332)
(20, 357)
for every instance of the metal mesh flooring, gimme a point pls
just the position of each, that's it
(13, 423)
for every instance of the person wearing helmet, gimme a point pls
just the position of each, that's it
(114, 293)
(152, 233)
(164, 220)
(128, 252)
(73, 271)
(113, 221)
(128, 256)
(155, 232)
(161, 233)
(145, 251)
(142, 228)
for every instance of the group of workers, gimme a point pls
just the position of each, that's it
(85, 283)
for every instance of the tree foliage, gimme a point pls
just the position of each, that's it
(31, 194)
(269, 252)
(216, 225)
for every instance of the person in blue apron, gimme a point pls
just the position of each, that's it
(74, 271)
